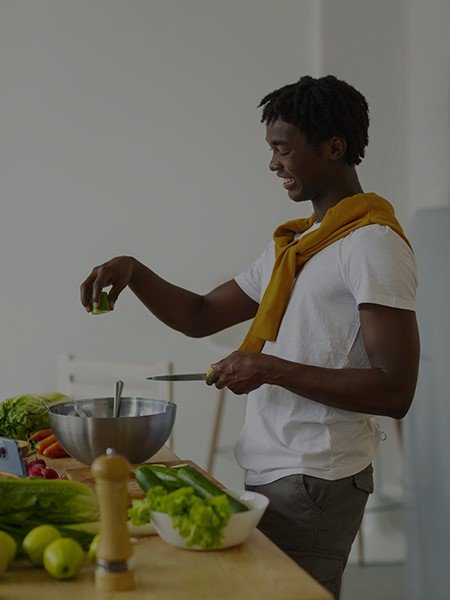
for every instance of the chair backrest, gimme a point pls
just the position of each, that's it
(91, 379)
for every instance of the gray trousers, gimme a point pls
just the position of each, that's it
(315, 521)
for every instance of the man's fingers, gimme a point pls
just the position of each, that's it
(114, 292)
(86, 291)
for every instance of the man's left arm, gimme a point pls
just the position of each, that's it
(386, 388)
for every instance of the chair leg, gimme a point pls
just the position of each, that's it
(215, 432)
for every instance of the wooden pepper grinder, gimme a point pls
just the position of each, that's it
(112, 573)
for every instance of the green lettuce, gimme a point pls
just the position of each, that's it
(22, 416)
(69, 505)
(200, 521)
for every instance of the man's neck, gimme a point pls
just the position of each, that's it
(343, 187)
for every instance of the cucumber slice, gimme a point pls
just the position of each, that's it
(103, 307)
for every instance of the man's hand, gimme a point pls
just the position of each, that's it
(241, 372)
(116, 272)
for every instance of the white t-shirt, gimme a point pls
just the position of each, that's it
(284, 433)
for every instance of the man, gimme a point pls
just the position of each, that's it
(334, 338)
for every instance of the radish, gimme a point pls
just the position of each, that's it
(49, 473)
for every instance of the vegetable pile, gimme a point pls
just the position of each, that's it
(200, 521)
(46, 443)
(21, 416)
(28, 502)
(199, 509)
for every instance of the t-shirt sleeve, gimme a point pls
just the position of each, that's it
(251, 280)
(379, 267)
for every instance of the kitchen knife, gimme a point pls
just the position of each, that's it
(180, 377)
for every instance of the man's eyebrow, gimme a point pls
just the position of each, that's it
(277, 143)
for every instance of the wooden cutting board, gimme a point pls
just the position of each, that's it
(83, 474)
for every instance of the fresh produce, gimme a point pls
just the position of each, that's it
(55, 450)
(166, 475)
(38, 468)
(92, 552)
(3, 560)
(201, 521)
(45, 443)
(35, 462)
(9, 546)
(40, 435)
(103, 307)
(63, 558)
(28, 502)
(206, 488)
(37, 540)
(22, 416)
(147, 479)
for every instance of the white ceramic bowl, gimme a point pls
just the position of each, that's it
(239, 527)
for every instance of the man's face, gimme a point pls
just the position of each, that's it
(303, 167)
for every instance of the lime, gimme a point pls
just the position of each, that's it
(103, 305)
(8, 545)
(63, 558)
(36, 541)
(92, 553)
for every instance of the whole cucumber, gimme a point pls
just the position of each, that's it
(206, 488)
(167, 475)
(147, 479)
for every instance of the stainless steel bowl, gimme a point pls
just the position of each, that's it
(86, 428)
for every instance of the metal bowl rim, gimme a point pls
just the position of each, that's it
(168, 405)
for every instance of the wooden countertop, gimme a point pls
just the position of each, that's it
(256, 569)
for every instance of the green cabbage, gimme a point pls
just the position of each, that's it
(22, 416)
(200, 521)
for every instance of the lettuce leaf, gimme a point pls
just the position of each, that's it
(22, 416)
(200, 521)
(55, 501)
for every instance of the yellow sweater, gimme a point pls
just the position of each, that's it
(346, 216)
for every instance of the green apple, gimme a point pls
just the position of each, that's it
(4, 559)
(92, 553)
(8, 545)
(36, 541)
(63, 558)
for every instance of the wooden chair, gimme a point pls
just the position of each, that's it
(81, 378)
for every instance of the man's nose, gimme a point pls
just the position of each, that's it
(274, 164)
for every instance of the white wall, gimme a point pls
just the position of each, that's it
(131, 127)
(429, 103)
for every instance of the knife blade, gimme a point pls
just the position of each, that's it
(180, 377)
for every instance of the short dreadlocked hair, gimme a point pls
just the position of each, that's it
(321, 108)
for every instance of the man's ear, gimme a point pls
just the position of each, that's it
(337, 147)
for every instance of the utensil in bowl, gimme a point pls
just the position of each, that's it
(237, 530)
(117, 397)
(141, 429)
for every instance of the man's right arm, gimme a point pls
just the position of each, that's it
(192, 314)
